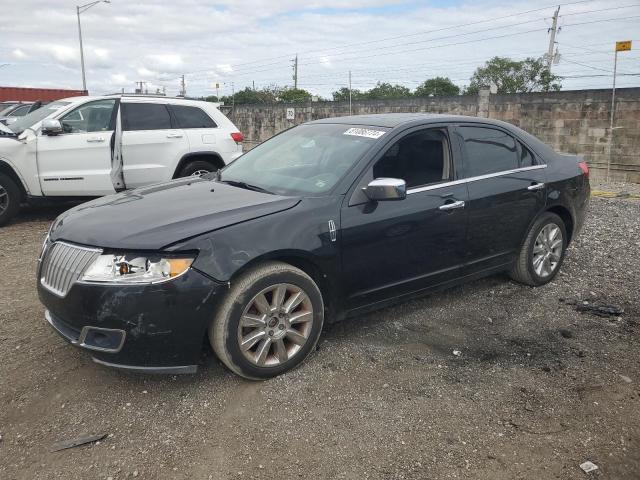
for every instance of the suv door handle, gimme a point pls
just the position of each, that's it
(174, 135)
(536, 186)
(95, 139)
(452, 205)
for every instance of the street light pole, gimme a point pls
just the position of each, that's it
(84, 79)
(80, 9)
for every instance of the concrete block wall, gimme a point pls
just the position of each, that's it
(570, 121)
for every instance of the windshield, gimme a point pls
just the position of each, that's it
(307, 159)
(34, 117)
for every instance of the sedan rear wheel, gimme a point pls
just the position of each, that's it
(269, 322)
(542, 252)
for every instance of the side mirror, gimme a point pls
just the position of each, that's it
(9, 120)
(51, 126)
(382, 189)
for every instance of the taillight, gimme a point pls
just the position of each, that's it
(237, 137)
(584, 167)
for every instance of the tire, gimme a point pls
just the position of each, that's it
(10, 197)
(524, 270)
(192, 168)
(226, 333)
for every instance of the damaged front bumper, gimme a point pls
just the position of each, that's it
(156, 328)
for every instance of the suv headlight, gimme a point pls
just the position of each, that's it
(132, 268)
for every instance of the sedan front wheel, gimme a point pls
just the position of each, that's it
(269, 322)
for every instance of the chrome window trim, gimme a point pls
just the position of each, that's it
(473, 179)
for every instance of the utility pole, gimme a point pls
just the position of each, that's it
(183, 87)
(233, 97)
(295, 72)
(552, 40)
(253, 82)
(349, 92)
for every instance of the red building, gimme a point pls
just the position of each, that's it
(33, 94)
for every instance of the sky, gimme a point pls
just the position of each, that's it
(240, 44)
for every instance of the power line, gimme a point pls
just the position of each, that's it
(493, 19)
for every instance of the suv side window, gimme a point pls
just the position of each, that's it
(90, 117)
(145, 116)
(191, 117)
(420, 158)
(488, 150)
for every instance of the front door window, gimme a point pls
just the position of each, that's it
(90, 117)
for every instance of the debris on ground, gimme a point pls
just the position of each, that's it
(457, 353)
(596, 308)
(76, 442)
(588, 467)
(625, 378)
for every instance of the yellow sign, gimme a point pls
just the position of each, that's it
(623, 46)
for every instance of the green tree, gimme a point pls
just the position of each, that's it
(342, 95)
(294, 95)
(386, 90)
(437, 87)
(512, 76)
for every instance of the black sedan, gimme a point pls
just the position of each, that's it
(326, 220)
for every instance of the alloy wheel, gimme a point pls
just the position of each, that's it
(547, 250)
(275, 325)
(199, 173)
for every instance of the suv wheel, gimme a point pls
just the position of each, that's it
(269, 322)
(543, 251)
(197, 168)
(10, 197)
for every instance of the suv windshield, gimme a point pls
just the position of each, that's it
(308, 159)
(34, 117)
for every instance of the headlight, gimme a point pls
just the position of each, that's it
(132, 268)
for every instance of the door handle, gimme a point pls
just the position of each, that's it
(174, 135)
(536, 186)
(95, 140)
(452, 205)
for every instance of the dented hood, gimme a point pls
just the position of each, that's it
(153, 217)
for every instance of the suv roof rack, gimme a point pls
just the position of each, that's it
(144, 95)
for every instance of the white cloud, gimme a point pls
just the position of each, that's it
(326, 62)
(165, 62)
(255, 40)
(224, 68)
(145, 72)
(119, 78)
(19, 54)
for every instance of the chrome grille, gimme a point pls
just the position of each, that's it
(63, 264)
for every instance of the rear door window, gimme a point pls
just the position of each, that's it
(488, 150)
(145, 116)
(191, 117)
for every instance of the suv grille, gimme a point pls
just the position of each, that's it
(63, 264)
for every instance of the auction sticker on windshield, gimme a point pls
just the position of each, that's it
(364, 132)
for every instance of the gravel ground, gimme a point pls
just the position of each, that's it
(537, 389)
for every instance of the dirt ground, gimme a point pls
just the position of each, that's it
(538, 387)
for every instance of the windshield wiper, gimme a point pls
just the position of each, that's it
(245, 185)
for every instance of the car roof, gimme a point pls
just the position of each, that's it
(401, 120)
(138, 98)
(392, 120)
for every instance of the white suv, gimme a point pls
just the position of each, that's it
(94, 146)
